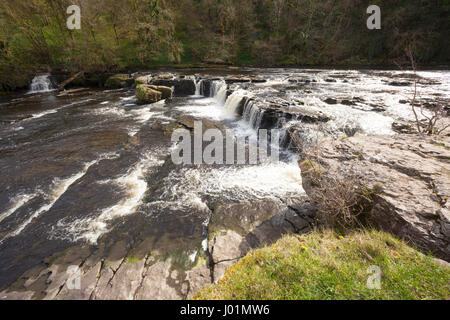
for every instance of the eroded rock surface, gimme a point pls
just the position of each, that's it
(414, 175)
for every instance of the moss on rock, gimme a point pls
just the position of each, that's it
(118, 81)
(151, 94)
(146, 94)
(166, 92)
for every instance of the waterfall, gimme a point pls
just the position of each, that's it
(219, 91)
(233, 102)
(41, 84)
(252, 114)
(282, 125)
(198, 87)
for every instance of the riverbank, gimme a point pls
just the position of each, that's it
(324, 265)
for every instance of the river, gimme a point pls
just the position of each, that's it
(91, 170)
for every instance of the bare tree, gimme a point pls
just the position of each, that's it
(434, 114)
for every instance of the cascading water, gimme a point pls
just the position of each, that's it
(252, 114)
(41, 83)
(219, 91)
(234, 102)
(198, 87)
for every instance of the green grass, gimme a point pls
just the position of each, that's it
(323, 265)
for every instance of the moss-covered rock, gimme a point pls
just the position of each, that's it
(147, 94)
(118, 81)
(150, 94)
(166, 92)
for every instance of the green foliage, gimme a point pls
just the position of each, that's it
(116, 35)
(324, 265)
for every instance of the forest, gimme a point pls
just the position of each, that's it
(131, 34)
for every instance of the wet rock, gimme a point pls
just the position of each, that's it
(404, 127)
(189, 122)
(413, 174)
(346, 102)
(20, 118)
(182, 87)
(237, 79)
(300, 81)
(119, 81)
(240, 79)
(378, 108)
(258, 80)
(399, 84)
(166, 92)
(330, 80)
(330, 101)
(272, 115)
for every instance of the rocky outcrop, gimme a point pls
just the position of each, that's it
(413, 174)
(181, 85)
(237, 228)
(119, 81)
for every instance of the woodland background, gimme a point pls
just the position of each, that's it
(132, 34)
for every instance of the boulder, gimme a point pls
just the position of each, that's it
(150, 94)
(119, 81)
(147, 94)
(331, 101)
(166, 92)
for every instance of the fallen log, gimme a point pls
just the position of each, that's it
(63, 84)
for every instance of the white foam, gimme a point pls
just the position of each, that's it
(44, 113)
(17, 202)
(193, 256)
(211, 111)
(60, 186)
(52, 111)
(234, 101)
(219, 90)
(187, 186)
(133, 183)
(205, 245)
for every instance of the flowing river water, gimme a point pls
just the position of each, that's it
(91, 168)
